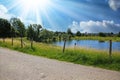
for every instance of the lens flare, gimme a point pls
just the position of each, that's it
(33, 4)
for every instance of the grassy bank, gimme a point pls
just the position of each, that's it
(76, 55)
(97, 38)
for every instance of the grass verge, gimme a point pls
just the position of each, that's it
(78, 55)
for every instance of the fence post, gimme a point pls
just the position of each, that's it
(64, 45)
(74, 46)
(110, 49)
(32, 43)
(12, 41)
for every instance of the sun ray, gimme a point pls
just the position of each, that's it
(14, 5)
(66, 10)
(38, 17)
(51, 10)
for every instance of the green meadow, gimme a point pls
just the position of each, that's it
(77, 55)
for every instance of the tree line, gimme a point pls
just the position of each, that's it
(35, 32)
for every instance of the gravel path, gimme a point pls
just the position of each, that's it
(18, 66)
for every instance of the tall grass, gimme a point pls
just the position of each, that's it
(76, 55)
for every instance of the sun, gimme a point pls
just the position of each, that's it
(34, 9)
(35, 4)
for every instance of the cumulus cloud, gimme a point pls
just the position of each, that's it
(4, 12)
(95, 26)
(75, 26)
(114, 4)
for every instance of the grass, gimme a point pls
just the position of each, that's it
(97, 38)
(89, 57)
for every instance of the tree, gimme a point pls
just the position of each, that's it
(30, 34)
(101, 34)
(13, 30)
(65, 36)
(69, 32)
(19, 27)
(118, 34)
(33, 33)
(78, 33)
(60, 36)
(37, 29)
(12, 34)
(5, 28)
(46, 35)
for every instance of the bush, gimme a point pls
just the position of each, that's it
(102, 34)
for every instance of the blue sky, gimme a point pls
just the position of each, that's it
(59, 15)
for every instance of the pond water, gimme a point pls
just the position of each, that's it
(100, 45)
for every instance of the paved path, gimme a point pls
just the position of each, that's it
(18, 66)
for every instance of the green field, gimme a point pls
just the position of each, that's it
(78, 55)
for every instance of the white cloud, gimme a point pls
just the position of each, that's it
(6, 15)
(95, 26)
(3, 9)
(114, 4)
(4, 12)
(75, 26)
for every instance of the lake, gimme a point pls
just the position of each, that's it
(100, 45)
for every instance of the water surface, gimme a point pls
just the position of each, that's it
(100, 45)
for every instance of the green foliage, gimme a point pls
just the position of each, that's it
(46, 35)
(70, 34)
(69, 31)
(65, 36)
(118, 34)
(30, 32)
(78, 33)
(18, 26)
(13, 32)
(37, 28)
(102, 34)
(5, 28)
(33, 32)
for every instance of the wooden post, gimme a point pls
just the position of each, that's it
(21, 42)
(110, 49)
(64, 45)
(32, 43)
(74, 45)
(12, 41)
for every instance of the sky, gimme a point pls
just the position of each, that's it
(90, 16)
